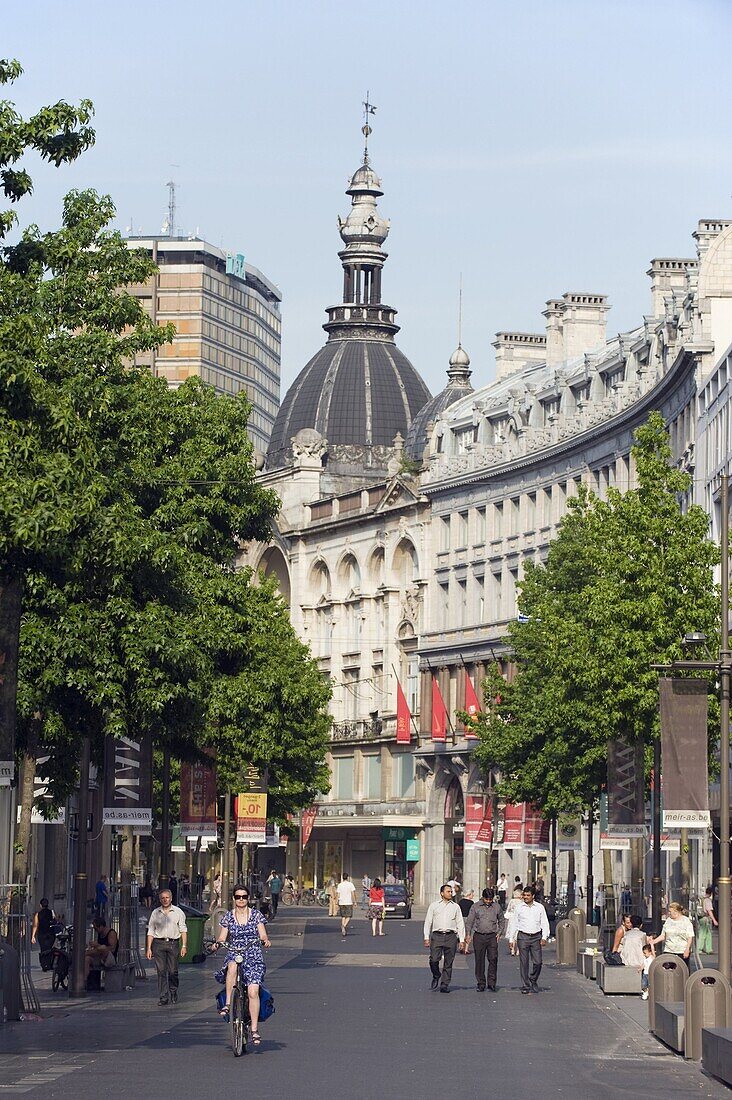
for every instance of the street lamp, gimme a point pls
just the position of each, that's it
(723, 667)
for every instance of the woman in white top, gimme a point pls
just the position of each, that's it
(514, 903)
(677, 934)
(706, 922)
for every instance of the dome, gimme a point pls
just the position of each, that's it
(458, 386)
(357, 393)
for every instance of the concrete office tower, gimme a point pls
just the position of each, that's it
(227, 319)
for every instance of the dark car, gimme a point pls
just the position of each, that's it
(397, 901)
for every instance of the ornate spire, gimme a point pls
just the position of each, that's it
(363, 233)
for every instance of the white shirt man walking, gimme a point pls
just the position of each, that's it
(167, 938)
(529, 930)
(346, 901)
(444, 931)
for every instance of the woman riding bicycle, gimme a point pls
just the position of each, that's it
(243, 932)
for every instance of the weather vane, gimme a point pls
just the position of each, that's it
(368, 109)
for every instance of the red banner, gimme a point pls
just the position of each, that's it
(404, 718)
(308, 820)
(472, 707)
(439, 714)
(198, 798)
(478, 824)
(536, 829)
(513, 828)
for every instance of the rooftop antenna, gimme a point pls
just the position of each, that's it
(168, 226)
(460, 312)
(368, 109)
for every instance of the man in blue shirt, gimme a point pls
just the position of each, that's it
(101, 898)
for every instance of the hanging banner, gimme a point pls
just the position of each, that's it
(569, 834)
(478, 825)
(128, 781)
(439, 714)
(626, 789)
(251, 818)
(513, 825)
(608, 841)
(536, 830)
(40, 795)
(684, 776)
(404, 718)
(472, 707)
(198, 798)
(308, 820)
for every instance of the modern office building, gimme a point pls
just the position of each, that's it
(227, 319)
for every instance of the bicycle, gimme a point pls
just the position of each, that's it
(61, 960)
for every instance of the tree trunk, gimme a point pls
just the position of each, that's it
(637, 873)
(21, 855)
(571, 899)
(607, 874)
(125, 895)
(11, 597)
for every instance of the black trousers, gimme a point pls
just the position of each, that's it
(529, 949)
(485, 945)
(275, 904)
(443, 946)
(165, 955)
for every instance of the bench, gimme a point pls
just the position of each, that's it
(118, 977)
(618, 979)
(717, 1052)
(670, 1024)
(587, 964)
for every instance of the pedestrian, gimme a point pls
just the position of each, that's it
(102, 953)
(502, 891)
(215, 894)
(390, 880)
(377, 907)
(513, 904)
(484, 927)
(43, 932)
(529, 931)
(444, 932)
(146, 893)
(599, 906)
(167, 938)
(539, 889)
(173, 886)
(634, 940)
(677, 934)
(466, 903)
(648, 957)
(185, 888)
(346, 902)
(101, 897)
(243, 929)
(518, 885)
(274, 882)
(332, 897)
(626, 898)
(624, 926)
(706, 921)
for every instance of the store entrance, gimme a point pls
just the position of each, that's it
(454, 846)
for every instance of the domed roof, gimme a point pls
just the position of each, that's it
(355, 393)
(458, 386)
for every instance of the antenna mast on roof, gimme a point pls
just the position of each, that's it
(460, 312)
(170, 223)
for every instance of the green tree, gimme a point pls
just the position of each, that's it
(624, 580)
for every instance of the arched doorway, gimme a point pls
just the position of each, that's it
(454, 846)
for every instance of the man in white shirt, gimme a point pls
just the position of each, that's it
(444, 930)
(346, 901)
(529, 930)
(167, 938)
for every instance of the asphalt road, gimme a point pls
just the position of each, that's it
(353, 1018)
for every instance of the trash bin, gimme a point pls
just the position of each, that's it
(194, 948)
(666, 982)
(567, 941)
(707, 1003)
(579, 917)
(9, 982)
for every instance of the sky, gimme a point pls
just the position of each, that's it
(527, 148)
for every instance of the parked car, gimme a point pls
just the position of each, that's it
(397, 902)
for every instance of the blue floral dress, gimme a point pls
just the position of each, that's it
(244, 939)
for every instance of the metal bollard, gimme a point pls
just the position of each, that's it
(567, 940)
(579, 917)
(10, 981)
(707, 1003)
(667, 979)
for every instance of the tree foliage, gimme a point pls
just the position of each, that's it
(624, 580)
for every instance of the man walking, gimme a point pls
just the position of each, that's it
(502, 892)
(167, 938)
(444, 931)
(529, 929)
(346, 902)
(274, 884)
(484, 926)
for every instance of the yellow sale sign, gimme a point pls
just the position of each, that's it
(251, 818)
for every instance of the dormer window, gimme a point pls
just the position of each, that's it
(552, 406)
(614, 379)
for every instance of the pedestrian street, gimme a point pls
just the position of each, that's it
(351, 1016)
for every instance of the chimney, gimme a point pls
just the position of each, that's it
(668, 275)
(554, 314)
(516, 350)
(706, 230)
(584, 323)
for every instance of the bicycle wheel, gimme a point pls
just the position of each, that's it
(239, 1029)
(55, 978)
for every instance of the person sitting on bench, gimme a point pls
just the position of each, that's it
(103, 953)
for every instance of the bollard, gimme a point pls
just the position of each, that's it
(580, 919)
(667, 979)
(707, 1003)
(10, 981)
(567, 940)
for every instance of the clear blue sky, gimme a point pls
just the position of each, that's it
(534, 146)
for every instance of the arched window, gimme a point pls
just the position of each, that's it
(349, 575)
(319, 581)
(273, 564)
(406, 563)
(377, 568)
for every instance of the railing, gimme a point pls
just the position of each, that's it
(129, 916)
(361, 729)
(15, 927)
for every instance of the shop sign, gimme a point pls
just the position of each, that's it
(413, 847)
(393, 832)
